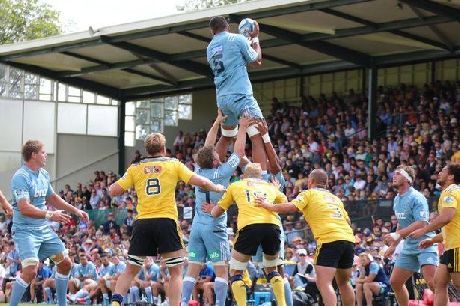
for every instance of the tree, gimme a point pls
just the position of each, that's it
(27, 19)
(195, 5)
(24, 20)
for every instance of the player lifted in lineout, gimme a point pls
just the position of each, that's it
(228, 54)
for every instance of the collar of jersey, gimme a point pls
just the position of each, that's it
(150, 159)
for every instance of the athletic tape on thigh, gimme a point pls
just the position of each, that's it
(174, 261)
(136, 260)
(270, 263)
(29, 262)
(252, 130)
(229, 133)
(238, 265)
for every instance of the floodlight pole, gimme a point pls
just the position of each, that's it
(121, 137)
(372, 101)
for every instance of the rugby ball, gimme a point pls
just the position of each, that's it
(246, 26)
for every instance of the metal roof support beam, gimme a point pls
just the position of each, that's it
(435, 8)
(264, 55)
(108, 66)
(88, 85)
(435, 29)
(163, 57)
(333, 50)
(121, 137)
(396, 32)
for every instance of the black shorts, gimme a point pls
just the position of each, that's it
(251, 236)
(337, 254)
(451, 258)
(155, 235)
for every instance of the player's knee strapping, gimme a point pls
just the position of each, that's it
(252, 130)
(173, 261)
(270, 263)
(29, 262)
(238, 265)
(136, 260)
(229, 133)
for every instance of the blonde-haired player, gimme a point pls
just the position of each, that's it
(330, 225)
(256, 226)
(156, 228)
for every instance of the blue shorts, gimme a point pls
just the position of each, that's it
(208, 242)
(234, 106)
(36, 242)
(258, 258)
(413, 262)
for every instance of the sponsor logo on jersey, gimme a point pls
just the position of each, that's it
(152, 169)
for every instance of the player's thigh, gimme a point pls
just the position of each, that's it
(408, 262)
(248, 240)
(196, 246)
(216, 243)
(271, 242)
(168, 236)
(249, 107)
(227, 105)
(51, 245)
(27, 243)
(145, 236)
(333, 254)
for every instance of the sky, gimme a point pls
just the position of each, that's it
(78, 15)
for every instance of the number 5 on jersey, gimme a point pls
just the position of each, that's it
(152, 187)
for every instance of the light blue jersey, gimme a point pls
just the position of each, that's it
(33, 186)
(228, 55)
(409, 208)
(153, 271)
(119, 267)
(220, 175)
(108, 270)
(85, 271)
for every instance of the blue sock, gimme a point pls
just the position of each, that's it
(125, 299)
(288, 293)
(49, 295)
(105, 299)
(221, 288)
(187, 288)
(134, 294)
(118, 299)
(148, 293)
(19, 287)
(61, 288)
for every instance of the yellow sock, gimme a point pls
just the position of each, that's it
(277, 283)
(239, 292)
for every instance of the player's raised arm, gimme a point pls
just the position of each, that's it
(6, 205)
(212, 134)
(273, 161)
(206, 184)
(282, 208)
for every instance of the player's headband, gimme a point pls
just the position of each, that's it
(405, 174)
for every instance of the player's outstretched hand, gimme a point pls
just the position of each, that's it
(389, 239)
(82, 215)
(425, 243)
(417, 233)
(207, 207)
(262, 127)
(245, 121)
(389, 252)
(261, 202)
(60, 216)
(219, 188)
(8, 210)
(220, 116)
(256, 31)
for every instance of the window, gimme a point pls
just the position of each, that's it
(153, 115)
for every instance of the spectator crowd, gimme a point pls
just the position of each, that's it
(417, 127)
